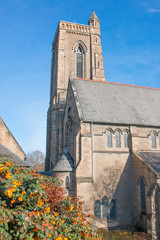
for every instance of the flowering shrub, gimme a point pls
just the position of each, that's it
(33, 206)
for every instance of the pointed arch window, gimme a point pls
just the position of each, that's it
(105, 207)
(79, 62)
(97, 209)
(67, 182)
(109, 138)
(118, 142)
(125, 139)
(142, 196)
(153, 136)
(113, 209)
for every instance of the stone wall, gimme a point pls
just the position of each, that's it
(8, 140)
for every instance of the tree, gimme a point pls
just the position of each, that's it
(36, 160)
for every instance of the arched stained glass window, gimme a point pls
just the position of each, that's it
(97, 209)
(109, 139)
(113, 209)
(153, 136)
(142, 196)
(79, 62)
(125, 139)
(105, 207)
(118, 142)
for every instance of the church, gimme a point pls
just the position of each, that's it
(103, 138)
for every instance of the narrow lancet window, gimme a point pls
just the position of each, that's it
(142, 196)
(79, 62)
(118, 142)
(67, 182)
(153, 136)
(109, 139)
(113, 209)
(125, 139)
(105, 207)
(97, 209)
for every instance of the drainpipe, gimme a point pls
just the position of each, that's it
(92, 149)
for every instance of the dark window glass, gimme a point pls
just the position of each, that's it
(105, 207)
(143, 196)
(109, 139)
(97, 209)
(125, 139)
(67, 182)
(79, 62)
(118, 143)
(113, 209)
(57, 142)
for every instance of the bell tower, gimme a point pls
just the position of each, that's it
(76, 52)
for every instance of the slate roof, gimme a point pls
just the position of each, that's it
(15, 159)
(152, 159)
(64, 164)
(105, 102)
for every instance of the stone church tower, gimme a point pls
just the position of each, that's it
(103, 139)
(76, 52)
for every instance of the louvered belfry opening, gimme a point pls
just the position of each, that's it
(79, 63)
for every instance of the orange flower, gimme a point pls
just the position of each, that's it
(9, 192)
(39, 203)
(8, 164)
(8, 175)
(75, 223)
(23, 193)
(59, 237)
(20, 199)
(62, 221)
(56, 214)
(12, 201)
(41, 212)
(71, 208)
(47, 209)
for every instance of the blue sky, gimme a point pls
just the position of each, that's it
(131, 50)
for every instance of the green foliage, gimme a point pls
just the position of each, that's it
(33, 206)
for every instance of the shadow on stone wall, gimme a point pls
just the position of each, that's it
(117, 183)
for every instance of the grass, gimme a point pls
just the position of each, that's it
(122, 235)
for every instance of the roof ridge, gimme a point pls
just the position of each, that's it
(122, 84)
